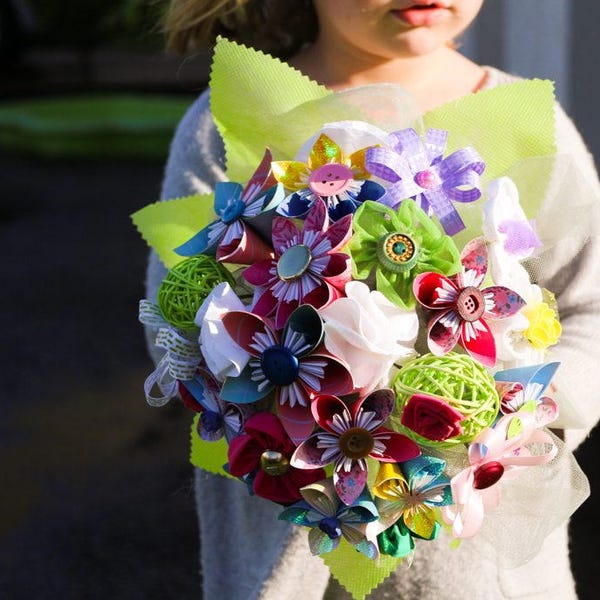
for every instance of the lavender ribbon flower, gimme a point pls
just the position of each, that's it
(417, 169)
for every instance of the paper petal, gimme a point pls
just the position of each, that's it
(350, 484)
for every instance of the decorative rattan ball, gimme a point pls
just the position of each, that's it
(186, 286)
(457, 379)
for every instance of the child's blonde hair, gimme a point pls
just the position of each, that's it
(280, 27)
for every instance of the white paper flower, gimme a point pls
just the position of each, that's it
(369, 333)
(223, 356)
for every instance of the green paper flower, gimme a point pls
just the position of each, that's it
(399, 245)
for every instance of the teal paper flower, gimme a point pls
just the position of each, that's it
(399, 245)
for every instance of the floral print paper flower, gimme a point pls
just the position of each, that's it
(232, 237)
(308, 267)
(399, 245)
(417, 169)
(462, 308)
(349, 436)
(264, 450)
(330, 520)
(369, 333)
(494, 454)
(411, 492)
(340, 181)
(292, 364)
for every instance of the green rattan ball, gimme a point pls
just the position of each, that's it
(186, 286)
(457, 379)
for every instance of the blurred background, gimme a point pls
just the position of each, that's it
(96, 493)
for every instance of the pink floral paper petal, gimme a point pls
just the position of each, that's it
(262, 179)
(546, 411)
(283, 232)
(444, 333)
(247, 250)
(506, 302)
(382, 402)
(425, 286)
(316, 220)
(481, 346)
(325, 407)
(242, 326)
(259, 274)
(339, 232)
(307, 455)
(474, 257)
(338, 271)
(350, 484)
(297, 421)
(398, 447)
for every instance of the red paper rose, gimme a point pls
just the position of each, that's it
(431, 418)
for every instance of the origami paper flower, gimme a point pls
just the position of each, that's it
(524, 387)
(462, 308)
(494, 454)
(307, 268)
(411, 491)
(431, 417)
(369, 333)
(222, 355)
(291, 363)
(330, 520)
(417, 170)
(231, 236)
(399, 245)
(349, 436)
(340, 181)
(217, 418)
(264, 449)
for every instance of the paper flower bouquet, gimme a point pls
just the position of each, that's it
(350, 317)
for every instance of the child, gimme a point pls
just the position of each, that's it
(248, 553)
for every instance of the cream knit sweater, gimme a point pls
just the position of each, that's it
(246, 553)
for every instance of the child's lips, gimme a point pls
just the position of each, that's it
(422, 13)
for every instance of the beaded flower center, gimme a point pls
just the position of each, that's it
(279, 365)
(274, 463)
(330, 180)
(293, 262)
(470, 303)
(398, 252)
(331, 526)
(426, 179)
(356, 443)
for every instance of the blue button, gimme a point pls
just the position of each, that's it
(279, 365)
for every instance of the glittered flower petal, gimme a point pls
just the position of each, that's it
(291, 173)
(350, 484)
(421, 520)
(323, 152)
(320, 543)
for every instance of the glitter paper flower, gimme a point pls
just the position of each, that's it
(369, 333)
(264, 450)
(231, 237)
(217, 419)
(308, 267)
(350, 435)
(494, 454)
(411, 492)
(399, 245)
(291, 363)
(417, 169)
(330, 520)
(340, 181)
(462, 308)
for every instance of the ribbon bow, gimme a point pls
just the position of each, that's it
(418, 170)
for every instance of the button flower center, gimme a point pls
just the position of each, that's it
(279, 365)
(470, 303)
(293, 262)
(211, 421)
(397, 252)
(330, 179)
(356, 443)
(331, 526)
(234, 209)
(274, 463)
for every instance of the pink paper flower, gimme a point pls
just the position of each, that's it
(349, 436)
(431, 417)
(308, 267)
(264, 450)
(462, 308)
(494, 454)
